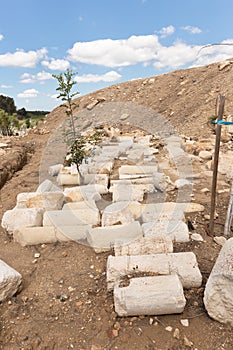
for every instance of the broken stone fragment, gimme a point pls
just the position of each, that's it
(10, 281)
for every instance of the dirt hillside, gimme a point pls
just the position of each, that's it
(64, 303)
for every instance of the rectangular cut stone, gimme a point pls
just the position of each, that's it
(161, 211)
(64, 179)
(102, 239)
(78, 217)
(135, 156)
(35, 235)
(55, 169)
(183, 264)
(80, 205)
(218, 295)
(87, 192)
(144, 186)
(154, 295)
(49, 234)
(143, 246)
(177, 231)
(45, 200)
(10, 281)
(126, 192)
(17, 217)
(76, 233)
(101, 179)
(100, 166)
(134, 171)
(48, 186)
(121, 212)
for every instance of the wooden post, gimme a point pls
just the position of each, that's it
(216, 157)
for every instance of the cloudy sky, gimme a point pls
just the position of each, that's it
(105, 41)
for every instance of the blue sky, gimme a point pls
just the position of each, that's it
(105, 41)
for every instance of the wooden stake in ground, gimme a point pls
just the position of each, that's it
(216, 157)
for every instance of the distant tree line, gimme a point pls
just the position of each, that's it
(12, 119)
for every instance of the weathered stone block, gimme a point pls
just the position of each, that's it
(78, 217)
(162, 211)
(121, 212)
(218, 295)
(103, 238)
(72, 233)
(126, 192)
(55, 169)
(10, 281)
(134, 171)
(45, 200)
(100, 179)
(64, 179)
(47, 186)
(154, 295)
(80, 205)
(177, 231)
(15, 218)
(143, 246)
(35, 235)
(183, 264)
(88, 192)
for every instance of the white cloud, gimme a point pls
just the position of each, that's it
(165, 31)
(27, 78)
(215, 53)
(6, 86)
(56, 64)
(30, 93)
(44, 76)
(21, 58)
(1, 37)
(115, 53)
(191, 29)
(95, 78)
(175, 56)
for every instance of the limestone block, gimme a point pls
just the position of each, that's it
(49, 234)
(80, 205)
(103, 238)
(45, 200)
(218, 295)
(183, 264)
(162, 211)
(34, 235)
(86, 192)
(111, 151)
(154, 295)
(10, 281)
(55, 169)
(101, 166)
(175, 230)
(146, 185)
(121, 212)
(143, 246)
(100, 179)
(64, 179)
(78, 217)
(134, 171)
(47, 186)
(135, 156)
(15, 218)
(77, 233)
(205, 155)
(126, 192)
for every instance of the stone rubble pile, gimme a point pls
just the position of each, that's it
(116, 206)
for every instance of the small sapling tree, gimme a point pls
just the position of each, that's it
(79, 147)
